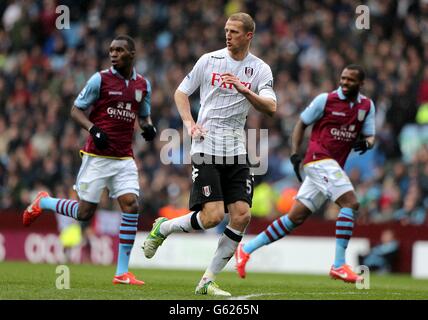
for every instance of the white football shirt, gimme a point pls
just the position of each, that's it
(223, 109)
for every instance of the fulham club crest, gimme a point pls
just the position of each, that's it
(249, 71)
(138, 95)
(206, 191)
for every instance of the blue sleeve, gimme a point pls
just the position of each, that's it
(90, 92)
(145, 105)
(369, 123)
(315, 110)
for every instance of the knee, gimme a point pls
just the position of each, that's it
(297, 220)
(299, 213)
(131, 207)
(348, 200)
(85, 215)
(354, 205)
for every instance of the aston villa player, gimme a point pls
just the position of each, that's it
(118, 96)
(342, 120)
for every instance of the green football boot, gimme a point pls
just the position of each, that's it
(154, 239)
(211, 288)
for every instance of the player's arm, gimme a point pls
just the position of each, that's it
(368, 132)
(297, 136)
(183, 105)
(296, 142)
(262, 104)
(84, 100)
(265, 101)
(81, 118)
(310, 115)
(181, 97)
(148, 130)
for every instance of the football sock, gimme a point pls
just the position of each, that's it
(186, 223)
(65, 207)
(344, 227)
(127, 231)
(276, 230)
(226, 247)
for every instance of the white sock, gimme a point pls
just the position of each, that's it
(186, 223)
(227, 245)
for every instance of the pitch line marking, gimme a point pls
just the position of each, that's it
(246, 297)
(255, 295)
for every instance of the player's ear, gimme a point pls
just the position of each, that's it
(250, 35)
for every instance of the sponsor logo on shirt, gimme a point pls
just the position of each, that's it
(217, 82)
(344, 134)
(122, 112)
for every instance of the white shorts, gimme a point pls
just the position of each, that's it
(96, 173)
(325, 179)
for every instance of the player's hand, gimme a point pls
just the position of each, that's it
(196, 131)
(99, 136)
(361, 146)
(230, 78)
(149, 132)
(296, 160)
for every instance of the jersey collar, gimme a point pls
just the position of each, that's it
(343, 97)
(117, 74)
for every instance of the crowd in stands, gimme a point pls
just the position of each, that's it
(306, 44)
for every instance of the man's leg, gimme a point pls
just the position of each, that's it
(89, 187)
(344, 228)
(308, 200)
(344, 225)
(128, 229)
(206, 199)
(79, 210)
(278, 229)
(210, 216)
(240, 216)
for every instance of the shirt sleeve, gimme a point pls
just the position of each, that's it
(90, 93)
(265, 88)
(145, 105)
(194, 79)
(369, 123)
(315, 110)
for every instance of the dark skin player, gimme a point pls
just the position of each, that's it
(122, 59)
(351, 82)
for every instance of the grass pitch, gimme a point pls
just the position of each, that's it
(19, 280)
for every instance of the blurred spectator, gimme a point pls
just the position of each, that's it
(412, 211)
(382, 256)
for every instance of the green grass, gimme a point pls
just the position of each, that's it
(20, 280)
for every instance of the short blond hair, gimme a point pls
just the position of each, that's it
(246, 19)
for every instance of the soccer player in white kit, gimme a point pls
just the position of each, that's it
(231, 80)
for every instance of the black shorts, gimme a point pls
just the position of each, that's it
(220, 179)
